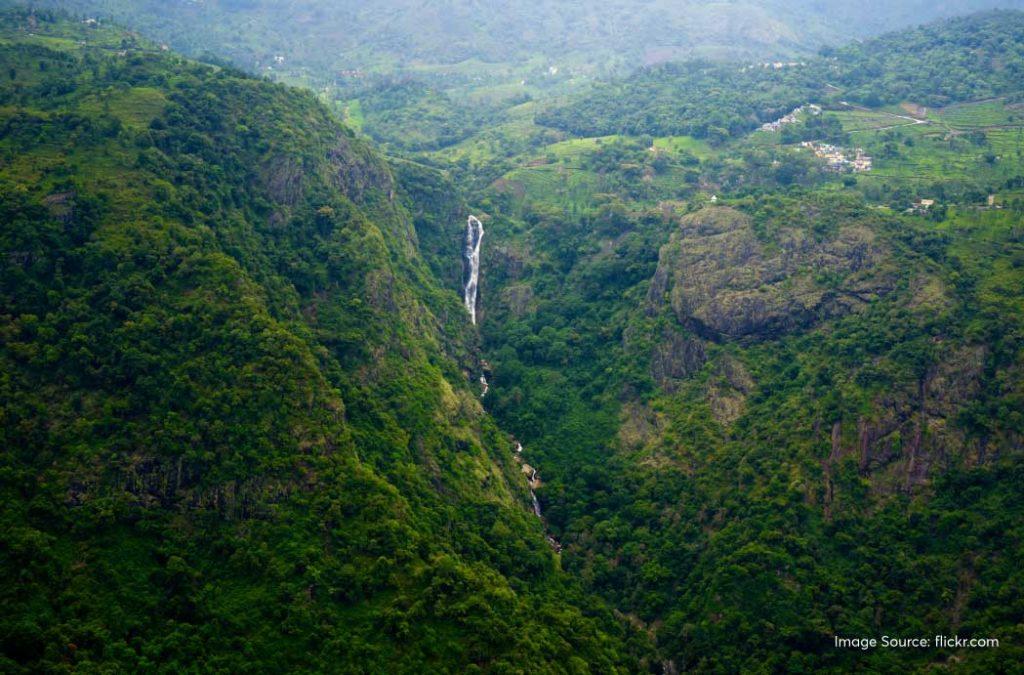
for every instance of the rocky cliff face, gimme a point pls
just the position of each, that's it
(722, 282)
(676, 357)
(914, 429)
(439, 218)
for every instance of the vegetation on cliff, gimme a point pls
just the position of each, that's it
(773, 399)
(237, 429)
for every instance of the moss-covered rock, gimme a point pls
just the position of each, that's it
(721, 281)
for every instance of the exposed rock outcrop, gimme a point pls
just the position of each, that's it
(640, 426)
(508, 262)
(357, 171)
(676, 357)
(722, 282)
(913, 429)
(727, 390)
(284, 179)
(518, 299)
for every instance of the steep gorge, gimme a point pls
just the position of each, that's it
(266, 394)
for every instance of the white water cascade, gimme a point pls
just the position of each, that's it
(474, 236)
(536, 503)
(532, 482)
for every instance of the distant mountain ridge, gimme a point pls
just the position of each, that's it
(326, 35)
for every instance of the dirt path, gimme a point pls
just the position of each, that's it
(910, 121)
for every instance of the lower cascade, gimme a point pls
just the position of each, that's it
(533, 481)
(536, 503)
(474, 236)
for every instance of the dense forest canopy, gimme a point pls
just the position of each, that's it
(235, 429)
(731, 391)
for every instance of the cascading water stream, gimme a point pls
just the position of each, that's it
(471, 255)
(474, 236)
(536, 503)
(532, 482)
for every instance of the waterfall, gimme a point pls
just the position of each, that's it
(474, 235)
(486, 387)
(536, 503)
(533, 481)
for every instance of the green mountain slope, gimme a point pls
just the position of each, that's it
(237, 423)
(775, 402)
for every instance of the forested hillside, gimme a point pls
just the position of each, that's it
(964, 59)
(778, 398)
(237, 425)
(767, 382)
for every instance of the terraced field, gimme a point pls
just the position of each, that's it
(978, 143)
